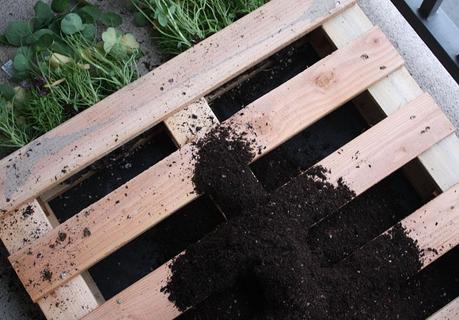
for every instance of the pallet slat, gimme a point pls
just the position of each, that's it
(397, 132)
(141, 105)
(435, 226)
(373, 161)
(69, 302)
(442, 160)
(166, 187)
(448, 312)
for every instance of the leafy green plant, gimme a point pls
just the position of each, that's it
(61, 68)
(182, 23)
(13, 130)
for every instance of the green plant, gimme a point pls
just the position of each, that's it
(61, 68)
(13, 130)
(182, 23)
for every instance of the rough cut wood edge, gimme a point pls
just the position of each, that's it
(191, 123)
(448, 312)
(70, 302)
(141, 105)
(442, 160)
(166, 187)
(132, 302)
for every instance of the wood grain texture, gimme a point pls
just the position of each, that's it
(141, 301)
(435, 226)
(393, 133)
(441, 161)
(69, 302)
(448, 312)
(193, 122)
(146, 102)
(166, 187)
(416, 125)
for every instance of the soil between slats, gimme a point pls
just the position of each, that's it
(264, 263)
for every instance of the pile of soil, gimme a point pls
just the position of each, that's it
(265, 263)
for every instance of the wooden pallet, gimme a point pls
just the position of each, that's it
(365, 61)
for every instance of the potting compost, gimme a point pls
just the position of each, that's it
(263, 263)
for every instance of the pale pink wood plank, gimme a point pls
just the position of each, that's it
(435, 226)
(373, 161)
(69, 302)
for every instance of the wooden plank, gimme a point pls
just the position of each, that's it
(72, 301)
(166, 187)
(435, 226)
(194, 121)
(441, 161)
(448, 312)
(143, 300)
(395, 131)
(141, 105)
(370, 159)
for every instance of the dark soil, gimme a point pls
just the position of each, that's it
(338, 235)
(113, 171)
(155, 247)
(264, 263)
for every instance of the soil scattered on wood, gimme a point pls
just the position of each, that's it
(263, 262)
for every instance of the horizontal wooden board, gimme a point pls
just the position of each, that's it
(70, 302)
(141, 105)
(141, 301)
(435, 226)
(166, 187)
(373, 161)
(387, 135)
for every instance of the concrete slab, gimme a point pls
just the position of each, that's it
(420, 61)
(451, 7)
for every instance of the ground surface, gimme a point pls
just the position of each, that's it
(14, 303)
(451, 7)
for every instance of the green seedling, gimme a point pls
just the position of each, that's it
(60, 67)
(181, 24)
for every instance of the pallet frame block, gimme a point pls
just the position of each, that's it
(391, 93)
(300, 102)
(72, 301)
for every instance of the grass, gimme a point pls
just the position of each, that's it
(13, 132)
(56, 93)
(180, 24)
